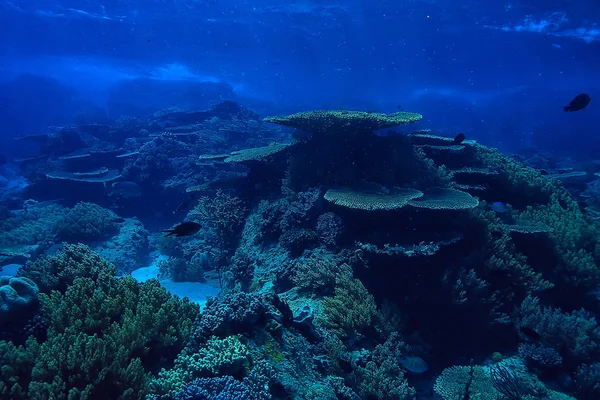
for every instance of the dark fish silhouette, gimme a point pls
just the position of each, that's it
(459, 138)
(579, 102)
(530, 333)
(2, 159)
(185, 229)
(183, 205)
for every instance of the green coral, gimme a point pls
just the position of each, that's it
(87, 222)
(105, 336)
(329, 121)
(350, 310)
(518, 179)
(503, 276)
(34, 225)
(224, 212)
(318, 273)
(382, 377)
(575, 335)
(218, 357)
(574, 236)
(59, 271)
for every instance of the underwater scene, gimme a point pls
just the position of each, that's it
(313, 199)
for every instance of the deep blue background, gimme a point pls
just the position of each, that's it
(501, 73)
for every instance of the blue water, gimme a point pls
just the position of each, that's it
(498, 72)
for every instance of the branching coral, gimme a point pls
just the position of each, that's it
(58, 272)
(101, 330)
(224, 212)
(350, 310)
(35, 224)
(233, 313)
(382, 377)
(575, 336)
(254, 386)
(575, 239)
(218, 357)
(329, 228)
(317, 273)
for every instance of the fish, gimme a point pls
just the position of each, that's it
(458, 139)
(530, 333)
(414, 364)
(399, 107)
(580, 102)
(184, 229)
(499, 207)
(183, 205)
(2, 159)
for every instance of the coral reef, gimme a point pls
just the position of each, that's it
(99, 328)
(348, 262)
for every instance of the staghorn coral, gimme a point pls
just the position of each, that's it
(575, 239)
(153, 163)
(350, 310)
(382, 377)
(100, 328)
(539, 356)
(518, 181)
(587, 381)
(575, 336)
(224, 212)
(317, 273)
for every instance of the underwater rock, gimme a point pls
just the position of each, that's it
(16, 295)
(303, 320)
